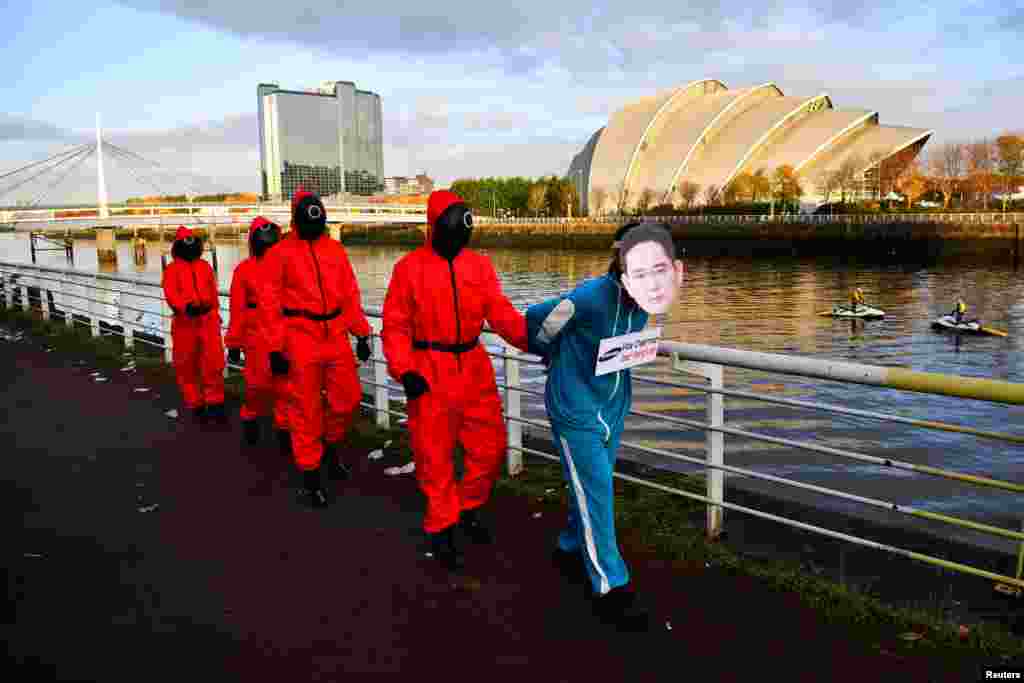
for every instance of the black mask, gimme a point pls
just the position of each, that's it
(263, 238)
(452, 230)
(310, 218)
(189, 248)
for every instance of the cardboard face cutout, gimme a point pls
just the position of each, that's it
(651, 278)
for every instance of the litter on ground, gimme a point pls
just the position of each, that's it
(404, 469)
(376, 455)
(173, 412)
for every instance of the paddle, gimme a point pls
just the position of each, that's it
(992, 330)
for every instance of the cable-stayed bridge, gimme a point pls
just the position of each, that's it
(41, 179)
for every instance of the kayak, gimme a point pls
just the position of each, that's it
(949, 323)
(860, 311)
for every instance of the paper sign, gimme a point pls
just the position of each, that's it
(627, 350)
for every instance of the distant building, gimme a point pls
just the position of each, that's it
(702, 136)
(421, 184)
(328, 140)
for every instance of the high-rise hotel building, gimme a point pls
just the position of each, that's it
(328, 140)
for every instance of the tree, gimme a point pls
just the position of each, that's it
(741, 187)
(711, 193)
(760, 185)
(826, 181)
(946, 166)
(912, 182)
(980, 164)
(688, 192)
(621, 197)
(645, 199)
(732, 191)
(538, 197)
(599, 195)
(1011, 160)
(787, 184)
(849, 175)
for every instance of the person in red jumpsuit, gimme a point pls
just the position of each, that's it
(437, 301)
(190, 287)
(245, 332)
(310, 303)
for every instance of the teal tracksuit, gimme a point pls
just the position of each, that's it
(587, 413)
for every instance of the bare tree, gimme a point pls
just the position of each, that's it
(981, 160)
(760, 184)
(621, 197)
(643, 202)
(826, 181)
(947, 166)
(688, 193)
(849, 175)
(599, 195)
(711, 193)
(537, 200)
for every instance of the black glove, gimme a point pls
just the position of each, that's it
(363, 349)
(235, 356)
(414, 384)
(278, 363)
(192, 310)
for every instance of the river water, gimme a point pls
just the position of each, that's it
(771, 305)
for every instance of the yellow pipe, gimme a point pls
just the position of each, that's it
(999, 531)
(951, 385)
(970, 478)
(956, 566)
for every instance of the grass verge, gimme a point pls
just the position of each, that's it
(651, 523)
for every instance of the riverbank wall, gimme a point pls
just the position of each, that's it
(914, 239)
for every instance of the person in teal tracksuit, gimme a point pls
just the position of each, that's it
(587, 413)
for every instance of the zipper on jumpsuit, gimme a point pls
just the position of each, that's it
(323, 302)
(615, 388)
(458, 325)
(199, 302)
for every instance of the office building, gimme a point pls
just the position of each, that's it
(328, 140)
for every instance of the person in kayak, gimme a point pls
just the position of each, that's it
(856, 298)
(959, 310)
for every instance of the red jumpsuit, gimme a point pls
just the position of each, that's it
(314, 278)
(432, 300)
(245, 331)
(198, 353)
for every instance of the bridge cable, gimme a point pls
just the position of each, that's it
(4, 193)
(36, 163)
(82, 156)
(194, 176)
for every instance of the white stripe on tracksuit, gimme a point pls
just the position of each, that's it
(588, 530)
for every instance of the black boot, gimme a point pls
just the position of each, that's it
(445, 550)
(474, 529)
(619, 608)
(312, 492)
(217, 413)
(336, 469)
(251, 430)
(284, 442)
(571, 566)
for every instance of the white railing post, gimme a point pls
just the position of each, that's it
(69, 316)
(165, 325)
(3, 291)
(129, 333)
(94, 320)
(716, 453)
(24, 298)
(44, 299)
(715, 440)
(513, 405)
(381, 395)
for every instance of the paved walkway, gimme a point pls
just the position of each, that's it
(228, 579)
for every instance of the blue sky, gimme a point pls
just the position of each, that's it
(470, 88)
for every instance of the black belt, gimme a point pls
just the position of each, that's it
(441, 346)
(319, 317)
(250, 305)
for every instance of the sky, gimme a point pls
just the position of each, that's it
(468, 88)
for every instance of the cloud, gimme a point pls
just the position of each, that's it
(496, 120)
(18, 128)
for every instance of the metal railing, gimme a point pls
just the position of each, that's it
(57, 288)
(988, 217)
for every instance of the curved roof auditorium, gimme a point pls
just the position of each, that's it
(706, 133)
